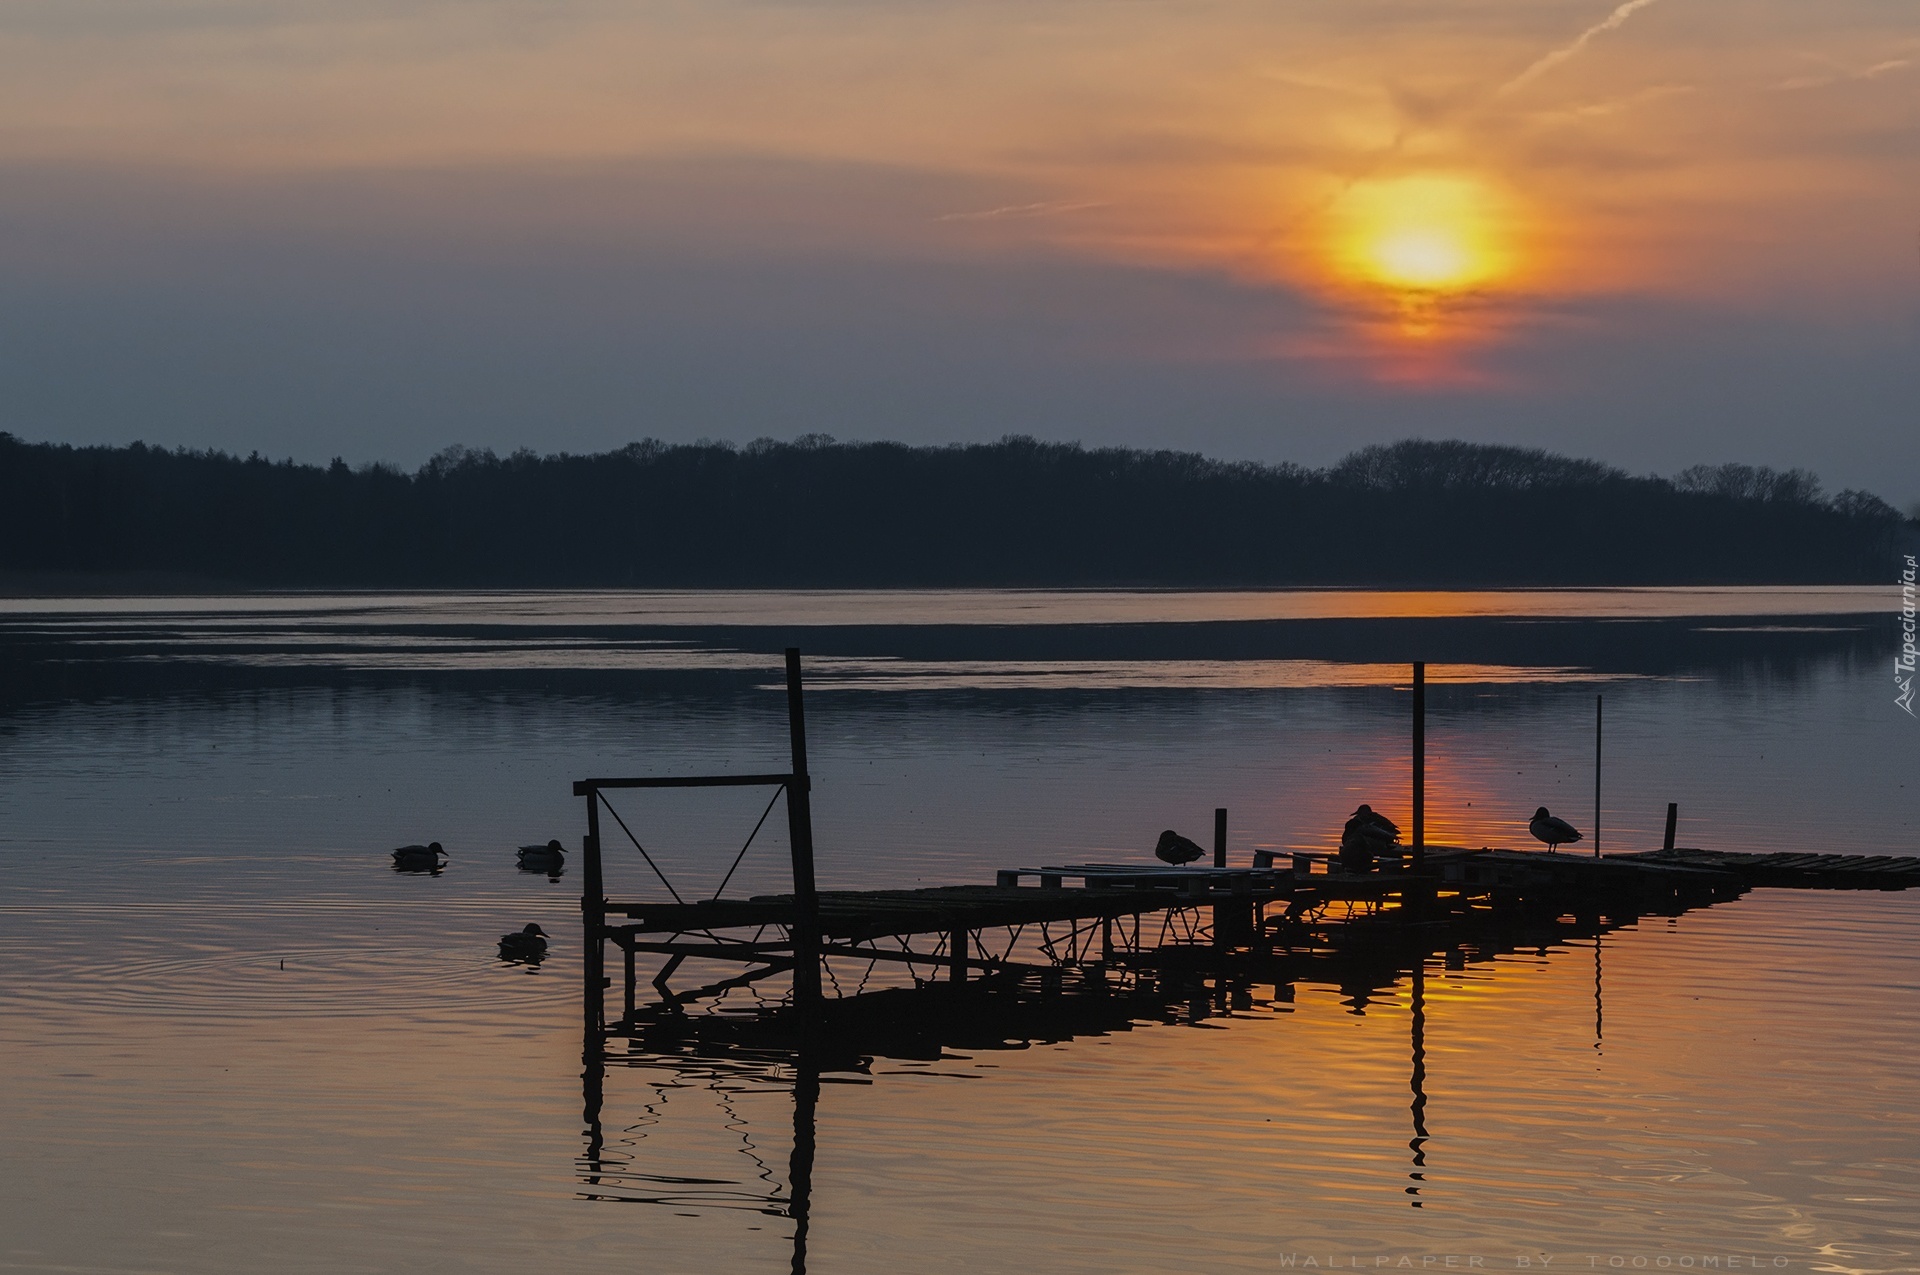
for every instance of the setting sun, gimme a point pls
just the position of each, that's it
(1421, 234)
(1429, 257)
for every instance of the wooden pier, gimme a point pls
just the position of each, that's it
(1036, 920)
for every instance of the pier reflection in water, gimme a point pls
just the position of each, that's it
(650, 1060)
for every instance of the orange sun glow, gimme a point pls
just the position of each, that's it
(1431, 235)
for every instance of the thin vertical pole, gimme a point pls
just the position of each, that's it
(1419, 765)
(806, 902)
(1220, 837)
(593, 916)
(1673, 824)
(1599, 720)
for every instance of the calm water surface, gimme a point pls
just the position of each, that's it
(232, 1039)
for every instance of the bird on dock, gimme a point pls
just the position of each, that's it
(527, 946)
(1371, 823)
(425, 858)
(1367, 833)
(1176, 849)
(1556, 832)
(550, 858)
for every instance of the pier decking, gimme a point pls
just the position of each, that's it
(1794, 871)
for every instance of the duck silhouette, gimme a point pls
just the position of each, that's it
(527, 946)
(1374, 825)
(425, 858)
(1176, 849)
(550, 858)
(1367, 833)
(1556, 832)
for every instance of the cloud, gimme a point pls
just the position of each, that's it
(1842, 76)
(1014, 211)
(1615, 105)
(1550, 60)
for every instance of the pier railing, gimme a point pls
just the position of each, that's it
(795, 785)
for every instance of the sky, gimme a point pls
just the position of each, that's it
(1654, 232)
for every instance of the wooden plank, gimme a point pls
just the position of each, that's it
(581, 787)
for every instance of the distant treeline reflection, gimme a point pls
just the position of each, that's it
(815, 512)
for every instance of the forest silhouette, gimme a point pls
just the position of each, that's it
(1019, 512)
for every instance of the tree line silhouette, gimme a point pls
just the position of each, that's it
(815, 512)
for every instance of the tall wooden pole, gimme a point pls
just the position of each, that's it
(1419, 765)
(1599, 720)
(806, 901)
(1220, 837)
(1673, 824)
(593, 917)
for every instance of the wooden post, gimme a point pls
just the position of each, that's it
(593, 917)
(1673, 824)
(1599, 720)
(957, 953)
(806, 901)
(1220, 837)
(1419, 765)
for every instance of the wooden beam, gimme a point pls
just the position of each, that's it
(581, 787)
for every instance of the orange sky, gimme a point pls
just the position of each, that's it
(1453, 199)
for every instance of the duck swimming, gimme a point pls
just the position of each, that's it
(1556, 832)
(550, 858)
(1176, 849)
(527, 946)
(425, 858)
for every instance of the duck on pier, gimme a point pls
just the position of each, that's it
(550, 858)
(1367, 834)
(527, 946)
(1176, 849)
(1556, 832)
(427, 858)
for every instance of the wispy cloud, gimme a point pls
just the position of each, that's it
(1617, 105)
(1844, 76)
(1546, 62)
(1016, 211)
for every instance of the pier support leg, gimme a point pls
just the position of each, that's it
(1673, 824)
(630, 985)
(957, 954)
(806, 900)
(593, 924)
(1106, 941)
(1599, 721)
(1419, 856)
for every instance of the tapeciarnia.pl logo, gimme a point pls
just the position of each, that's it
(1903, 662)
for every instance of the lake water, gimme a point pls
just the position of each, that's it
(233, 1039)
